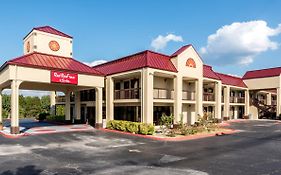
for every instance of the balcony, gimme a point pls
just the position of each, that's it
(222, 99)
(237, 99)
(188, 95)
(273, 102)
(127, 94)
(208, 96)
(159, 93)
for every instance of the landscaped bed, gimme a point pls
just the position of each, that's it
(204, 127)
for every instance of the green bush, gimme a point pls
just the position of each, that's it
(43, 116)
(143, 129)
(132, 127)
(56, 118)
(128, 126)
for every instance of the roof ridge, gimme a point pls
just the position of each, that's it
(263, 69)
(121, 58)
(229, 75)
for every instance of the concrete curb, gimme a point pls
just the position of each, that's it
(182, 138)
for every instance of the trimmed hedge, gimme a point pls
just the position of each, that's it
(132, 127)
(56, 118)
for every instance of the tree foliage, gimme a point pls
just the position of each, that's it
(28, 106)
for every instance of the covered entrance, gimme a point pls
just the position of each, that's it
(39, 71)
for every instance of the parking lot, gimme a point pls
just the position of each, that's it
(255, 150)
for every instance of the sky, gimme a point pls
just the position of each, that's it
(233, 36)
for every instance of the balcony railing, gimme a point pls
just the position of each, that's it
(208, 96)
(188, 95)
(159, 93)
(127, 93)
(222, 99)
(273, 102)
(237, 99)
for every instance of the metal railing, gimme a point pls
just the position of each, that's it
(236, 99)
(188, 95)
(273, 102)
(159, 93)
(208, 96)
(127, 93)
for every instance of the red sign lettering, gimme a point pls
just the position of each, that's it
(64, 77)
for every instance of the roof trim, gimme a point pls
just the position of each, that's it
(38, 28)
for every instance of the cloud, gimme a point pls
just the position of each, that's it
(239, 43)
(96, 62)
(161, 42)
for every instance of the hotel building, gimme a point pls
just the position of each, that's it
(138, 87)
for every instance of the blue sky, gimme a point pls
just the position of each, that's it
(110, 29)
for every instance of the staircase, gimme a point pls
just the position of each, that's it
(265, 111)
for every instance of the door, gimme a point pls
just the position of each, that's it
(91, 116)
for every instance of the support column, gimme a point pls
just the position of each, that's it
(109, 98)
(247, 103)
(268, 98)
(177, 99)
(235, 112)
(77, 106)
(226, 94)
(218, 100)
(199, 99)
(147, 95)
(1, 118)
(15, 107)
(98, 123)
(67, 106)
(278, 106)
(53, 103)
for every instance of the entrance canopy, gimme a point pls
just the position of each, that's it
(39, 71)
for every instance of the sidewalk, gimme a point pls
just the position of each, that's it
(33, 127)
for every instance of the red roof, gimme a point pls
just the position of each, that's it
(209, 73)
(52, 62)
(180, 50)
(231, 80)
(50, 30)
(262, 73)
(136, 61)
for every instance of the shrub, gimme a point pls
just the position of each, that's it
(128, 126)
(132, 127)
(56, 118)
(109, 124)
(43, 116)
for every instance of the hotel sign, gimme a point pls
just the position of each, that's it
(64, 77)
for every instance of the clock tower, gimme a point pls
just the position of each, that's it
(49, 41)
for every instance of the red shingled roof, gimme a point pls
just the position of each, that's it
(180, 50)
(231, 80)
(52, 62)
(262, 73)
(50, 30)
(209, 73)
(136, 61)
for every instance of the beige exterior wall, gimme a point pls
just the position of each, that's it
(39, 42)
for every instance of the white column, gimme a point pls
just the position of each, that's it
(147, 95)
(247, 102)
(15, 107)
(67, 105)
(226, 94)
(98, 123)
(218, 100)
(53, 103)
(109, 98)
(278, 106)
(199, 99)
(268, 98)
(235, 112)
(77, 106)
(177, 99)
(1, 118)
